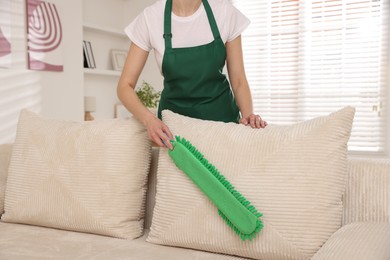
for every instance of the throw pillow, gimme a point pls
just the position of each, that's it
(5, 155)
(80, 176)
(295, 175)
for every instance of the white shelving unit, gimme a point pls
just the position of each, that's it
(104, 30)
(103, 39)
(102, 72)
(105, 33)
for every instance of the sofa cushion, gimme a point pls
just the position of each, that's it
(295, 175)
(5, 156)
(358, 241)
(367, 196)
(81, 176)
(31, 242)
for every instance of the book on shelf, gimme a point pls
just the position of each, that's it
(89, 59)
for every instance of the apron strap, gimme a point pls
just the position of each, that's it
(212, 22)
(167, 23)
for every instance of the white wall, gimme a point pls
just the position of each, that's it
(151, 72)
(52, 94)
(62, 92)
(115, 15)
(103, 14)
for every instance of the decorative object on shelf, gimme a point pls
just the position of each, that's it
(118, 58)
(44, 36)
(122, 112)
(148, 96)
(89, 59)
(89, 107)
(5, 34)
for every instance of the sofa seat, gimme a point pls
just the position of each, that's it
(19, 241)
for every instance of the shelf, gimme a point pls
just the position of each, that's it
(92, 27)
(102, 72)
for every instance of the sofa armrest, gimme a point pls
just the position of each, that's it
(5, 157)
(367, 192)
(357, 241)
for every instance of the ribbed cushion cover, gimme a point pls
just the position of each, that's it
(358, 241)
(5, 154)
(367, 196)
(80, 176)
(295, 175)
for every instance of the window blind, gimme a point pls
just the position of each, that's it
(305, 59)
(19, 87)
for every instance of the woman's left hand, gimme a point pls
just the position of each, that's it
(254, 121)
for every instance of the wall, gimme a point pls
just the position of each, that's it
(103, 14)
(113, 15)
(62, 92)
(52, 94)
(387, 104)
(151, 72)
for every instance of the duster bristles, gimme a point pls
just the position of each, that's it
(214, 171)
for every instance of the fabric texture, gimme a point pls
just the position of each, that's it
(151, 192)
(235, 209)
(19, 242)
(81, 176)
(295, 175)
(147, 29)
(194, 84)
(367, 196)
(358, 241)
(5, 156)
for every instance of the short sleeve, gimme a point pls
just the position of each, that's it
(138, 32)
(238, 22)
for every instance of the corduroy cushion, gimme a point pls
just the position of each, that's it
(5, 155)
(295, 175)
(80, 176)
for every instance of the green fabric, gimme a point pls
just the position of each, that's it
(194, 83)
(238, 213)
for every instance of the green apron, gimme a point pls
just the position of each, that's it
(194, 84)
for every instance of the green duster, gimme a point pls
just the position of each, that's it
(237, 212)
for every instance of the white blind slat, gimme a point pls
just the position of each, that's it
(305, 59)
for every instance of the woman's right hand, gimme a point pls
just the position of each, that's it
(159, 132)
(135, 61)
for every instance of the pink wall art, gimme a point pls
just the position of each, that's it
(44, 36)
(5, 33)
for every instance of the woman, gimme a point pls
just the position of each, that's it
(192, 40)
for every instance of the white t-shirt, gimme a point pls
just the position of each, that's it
(147, 29)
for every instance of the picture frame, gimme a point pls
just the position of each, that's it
(118, 58)
(45, 36)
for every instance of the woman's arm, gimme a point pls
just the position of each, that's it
(135, 62)
(240, 87)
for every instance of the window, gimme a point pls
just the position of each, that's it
(308, 58)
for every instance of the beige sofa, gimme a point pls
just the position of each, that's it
(365, 233)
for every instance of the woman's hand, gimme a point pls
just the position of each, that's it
(254, 121)
(159, 132)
